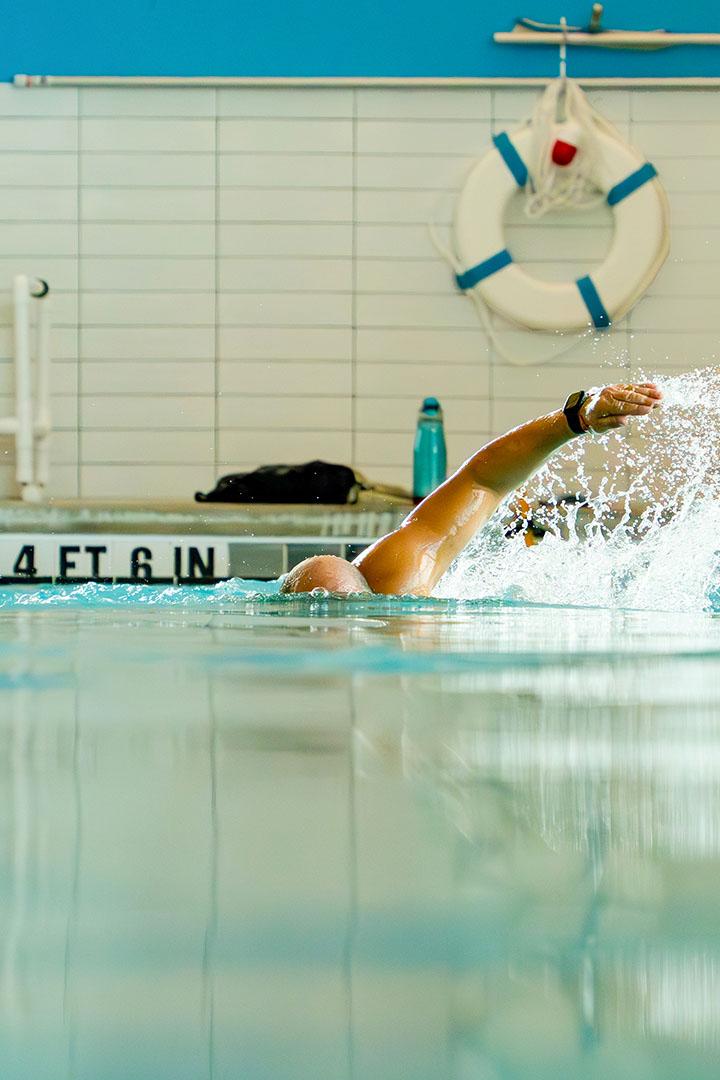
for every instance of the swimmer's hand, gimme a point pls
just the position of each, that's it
(610, 407)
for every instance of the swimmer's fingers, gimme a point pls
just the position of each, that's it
(631, 400)
(618, 401)
(610, 407)
(639, 394)
(649, 388)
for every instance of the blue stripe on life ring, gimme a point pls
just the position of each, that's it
(631, 183)
(595, 306)
(485, 269)
(512, 159)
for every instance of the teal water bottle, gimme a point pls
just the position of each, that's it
(430, 456)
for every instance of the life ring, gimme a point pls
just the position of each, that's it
(639, 246)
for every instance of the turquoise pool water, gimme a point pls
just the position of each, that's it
(253, 837)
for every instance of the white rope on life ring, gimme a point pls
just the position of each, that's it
(485, 268)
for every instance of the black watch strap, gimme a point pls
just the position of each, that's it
(572, 408)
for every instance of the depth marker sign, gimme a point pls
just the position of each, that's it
(42, 559)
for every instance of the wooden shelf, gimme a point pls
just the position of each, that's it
(645, 40)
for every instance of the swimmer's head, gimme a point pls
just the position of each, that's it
(324, 572)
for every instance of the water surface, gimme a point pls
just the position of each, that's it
(284, 838)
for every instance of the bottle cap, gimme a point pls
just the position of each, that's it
(430, 404)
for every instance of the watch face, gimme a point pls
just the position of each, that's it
(574, 399)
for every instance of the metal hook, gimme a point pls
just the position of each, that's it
(596, 14)
(563, 48)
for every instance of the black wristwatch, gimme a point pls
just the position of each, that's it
(572, 408)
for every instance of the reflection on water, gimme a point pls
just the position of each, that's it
(258, 841)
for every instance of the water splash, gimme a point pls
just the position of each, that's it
(94, 594)
(645, 530)
(237, 595)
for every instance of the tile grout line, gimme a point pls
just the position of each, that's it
(354, 286)
(491, 348)
(627, 328)
(80, 282)
(628, 323)
(216, 284)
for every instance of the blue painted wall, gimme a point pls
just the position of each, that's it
(328, 37)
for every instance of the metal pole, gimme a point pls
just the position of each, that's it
(24, 435)
(43, 421)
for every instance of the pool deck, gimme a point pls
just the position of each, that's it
(372, 516)
(69, 540)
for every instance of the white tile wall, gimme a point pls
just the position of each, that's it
(245, 275)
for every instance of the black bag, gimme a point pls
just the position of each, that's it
(314, 482)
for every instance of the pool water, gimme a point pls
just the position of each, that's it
(248, 836)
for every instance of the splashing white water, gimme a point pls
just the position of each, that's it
(646, 530)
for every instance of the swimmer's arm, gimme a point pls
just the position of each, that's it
(414, 557)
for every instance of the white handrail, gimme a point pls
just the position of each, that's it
(24, 434)
(31, 424)
(697, 82)
(43, 420)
